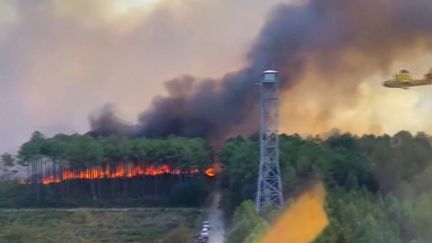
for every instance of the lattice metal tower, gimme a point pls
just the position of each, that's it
(269, 193)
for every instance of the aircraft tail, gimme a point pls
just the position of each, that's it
(428, 75)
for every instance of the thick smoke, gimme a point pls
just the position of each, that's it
(340, 41)
(108, 123)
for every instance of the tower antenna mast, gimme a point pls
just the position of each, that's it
(269, 193)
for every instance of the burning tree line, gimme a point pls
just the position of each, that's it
(87, 167)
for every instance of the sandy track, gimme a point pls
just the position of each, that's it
(217, 231)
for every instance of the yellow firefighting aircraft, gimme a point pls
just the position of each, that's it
(404, 80)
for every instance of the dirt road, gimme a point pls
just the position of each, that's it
(217, 231)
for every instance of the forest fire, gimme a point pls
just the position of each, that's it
(210, 172)
(122, 171)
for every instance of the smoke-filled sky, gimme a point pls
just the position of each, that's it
(62, 60)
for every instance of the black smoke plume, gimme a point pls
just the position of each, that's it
(345, 41)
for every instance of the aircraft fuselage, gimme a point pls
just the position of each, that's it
(406, 84)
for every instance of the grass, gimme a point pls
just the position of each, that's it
(89, 226)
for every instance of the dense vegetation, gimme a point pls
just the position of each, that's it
(81, 170)
(159, 225)
(82, 151)
(377, 186)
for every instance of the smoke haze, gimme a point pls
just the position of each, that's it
(324, 50)
(62, 60)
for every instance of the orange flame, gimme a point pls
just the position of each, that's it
(210, 172)
(120, 171)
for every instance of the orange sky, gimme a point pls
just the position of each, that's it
(373, 109)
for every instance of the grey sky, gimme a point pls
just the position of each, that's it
(62, 60)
